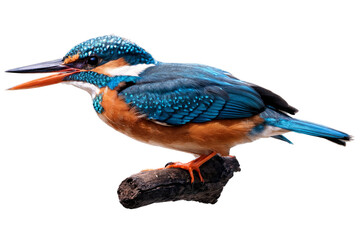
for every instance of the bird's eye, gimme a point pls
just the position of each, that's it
(93, 60)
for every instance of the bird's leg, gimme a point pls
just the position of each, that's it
(192, 165)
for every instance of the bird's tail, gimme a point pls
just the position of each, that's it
(280, 120)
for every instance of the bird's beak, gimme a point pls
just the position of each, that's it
(45, 67)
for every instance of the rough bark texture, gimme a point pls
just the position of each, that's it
(174, 184)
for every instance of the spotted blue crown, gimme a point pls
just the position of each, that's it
(111, 47)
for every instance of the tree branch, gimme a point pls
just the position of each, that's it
(173, 184)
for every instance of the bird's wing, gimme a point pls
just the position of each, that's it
(271, 99)
(176, 94)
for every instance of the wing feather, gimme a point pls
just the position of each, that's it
(177, 94)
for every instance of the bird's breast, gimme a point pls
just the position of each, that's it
(197, 138)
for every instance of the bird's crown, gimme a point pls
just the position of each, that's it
(100, 50)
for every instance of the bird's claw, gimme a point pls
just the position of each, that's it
(169, 163)
(190, 167)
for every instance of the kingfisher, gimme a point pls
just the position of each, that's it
(192, 108)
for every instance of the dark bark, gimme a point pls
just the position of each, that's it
(174, 184)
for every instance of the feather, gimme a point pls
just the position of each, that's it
(281, 120)
(180, 93)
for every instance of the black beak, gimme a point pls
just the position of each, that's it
(44, 67)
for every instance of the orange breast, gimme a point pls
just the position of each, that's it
(197, 138)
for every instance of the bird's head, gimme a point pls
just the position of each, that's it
(93, 64)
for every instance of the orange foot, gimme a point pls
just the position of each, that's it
(192, 165)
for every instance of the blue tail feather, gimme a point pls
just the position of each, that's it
(280, 120)
(282, 138)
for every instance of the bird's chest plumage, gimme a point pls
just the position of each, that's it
(197, 138)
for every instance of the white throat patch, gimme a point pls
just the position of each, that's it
(90, 88)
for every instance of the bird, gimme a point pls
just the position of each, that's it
(191, 108)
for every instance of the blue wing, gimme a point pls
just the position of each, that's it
(176, 94)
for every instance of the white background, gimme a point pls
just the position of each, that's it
(60, 165)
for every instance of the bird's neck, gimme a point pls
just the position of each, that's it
(93, 81)
(128, 70)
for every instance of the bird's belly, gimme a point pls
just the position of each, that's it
(197, 138)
